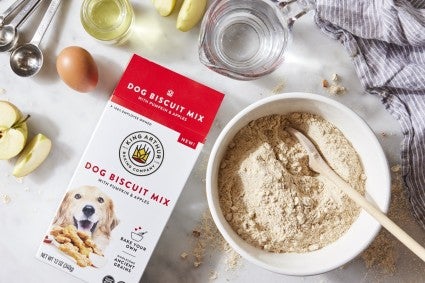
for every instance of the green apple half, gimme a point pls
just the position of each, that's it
(13, 130)
(32, 156)
(164, 7)
(190, 14)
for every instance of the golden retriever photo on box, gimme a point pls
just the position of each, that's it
(91, 211)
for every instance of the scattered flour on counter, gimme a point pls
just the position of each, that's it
(213, 275)
(278, 88)
(5, 199)
(269, 195)
(382, 255)
(208, 240)
(396, 168)
(336, 89)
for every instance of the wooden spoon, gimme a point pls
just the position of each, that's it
(319, 165)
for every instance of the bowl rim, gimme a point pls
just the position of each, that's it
(229, 126)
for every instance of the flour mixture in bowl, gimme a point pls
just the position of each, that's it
(271, 198)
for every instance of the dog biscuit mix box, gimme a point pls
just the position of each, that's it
(130, 175)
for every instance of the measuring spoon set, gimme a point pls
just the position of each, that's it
(25, 60)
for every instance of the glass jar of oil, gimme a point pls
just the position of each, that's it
(109, 21)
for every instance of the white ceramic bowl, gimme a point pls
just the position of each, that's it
(375, 164)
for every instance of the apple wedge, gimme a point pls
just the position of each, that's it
(12, 141)
(32, 156)
(164, 7)
(9, 114)
(190, 14)
(13, 130)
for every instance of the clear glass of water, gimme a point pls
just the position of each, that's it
(245, 39)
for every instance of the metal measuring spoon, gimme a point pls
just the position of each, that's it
(9, 33)
(27, 59)
(10, 10)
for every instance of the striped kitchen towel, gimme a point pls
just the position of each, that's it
(386, 39)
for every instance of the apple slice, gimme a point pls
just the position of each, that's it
(12, 141)
(164, 7)
(13, 130)
(9, 114)
(32, 156)
(190, 14)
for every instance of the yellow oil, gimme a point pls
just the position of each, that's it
(106, 14)
(107, 20)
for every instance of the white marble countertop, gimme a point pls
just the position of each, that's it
(69, 118)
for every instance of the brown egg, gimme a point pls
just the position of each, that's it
(77, 68)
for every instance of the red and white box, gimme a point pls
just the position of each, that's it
(130, 175)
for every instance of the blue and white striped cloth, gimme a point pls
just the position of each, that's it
(386, 39)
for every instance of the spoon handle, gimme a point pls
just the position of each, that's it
(45, 22)
(393, 228)
(23, 14)
(10, 10)
(378, 215)
(318, 164)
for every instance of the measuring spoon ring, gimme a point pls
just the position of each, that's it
(9, 33)
(27, 59)
(10, 10)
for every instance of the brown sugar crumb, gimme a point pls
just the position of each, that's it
(184, 255)
(334, 88)
(196, 233)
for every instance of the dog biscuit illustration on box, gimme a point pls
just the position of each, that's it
(91, 212)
